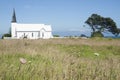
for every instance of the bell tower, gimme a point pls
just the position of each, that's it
(13, 25)
(14, 17)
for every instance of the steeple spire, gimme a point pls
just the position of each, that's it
(14, 17)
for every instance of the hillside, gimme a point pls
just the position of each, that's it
(60, 59)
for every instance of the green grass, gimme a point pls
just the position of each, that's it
(60, 59)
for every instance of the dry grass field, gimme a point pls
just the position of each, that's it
(60, 59)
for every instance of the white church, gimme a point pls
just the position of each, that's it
(29, 31)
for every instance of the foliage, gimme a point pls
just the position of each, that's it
(56, 35)
(83, 35)
(97, 34)
(102, 24)
(6, 35)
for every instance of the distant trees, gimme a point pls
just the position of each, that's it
(101, 24)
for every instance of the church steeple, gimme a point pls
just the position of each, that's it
(14, 17)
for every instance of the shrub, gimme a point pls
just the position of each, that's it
(97, 34)
(6, 35)
(56, 35)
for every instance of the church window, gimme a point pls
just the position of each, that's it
(42, 34)
(24, 34)
(32, 34)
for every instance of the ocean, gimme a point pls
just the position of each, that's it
(69, 33)
(1, 36)
(78, 33)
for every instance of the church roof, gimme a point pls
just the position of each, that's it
(33, 27)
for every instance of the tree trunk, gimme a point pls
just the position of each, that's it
(93, 28)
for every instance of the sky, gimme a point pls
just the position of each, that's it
(62, 15)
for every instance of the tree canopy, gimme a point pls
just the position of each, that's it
(102, 24)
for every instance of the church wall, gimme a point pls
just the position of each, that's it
(28, 34)
(13, 29)
(47, 35)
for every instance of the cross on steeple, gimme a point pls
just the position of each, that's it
(14, 17)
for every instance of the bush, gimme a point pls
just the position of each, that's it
(56, 35)
(6, 35)
(83, 35)
(97, 34)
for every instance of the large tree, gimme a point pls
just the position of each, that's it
(101, 24)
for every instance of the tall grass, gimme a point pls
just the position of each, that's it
(60, 59)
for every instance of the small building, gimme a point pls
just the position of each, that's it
(29, 31)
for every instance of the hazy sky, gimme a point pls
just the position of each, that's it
(63, 15)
